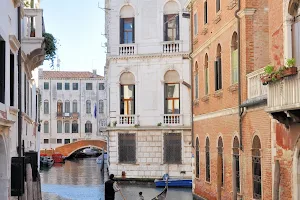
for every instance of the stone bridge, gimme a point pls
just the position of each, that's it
(68, 149)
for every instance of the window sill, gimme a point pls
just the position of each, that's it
(205, 98)
(218, 18)
(204, 30)
(209, 183)
(233, 88)
(218, 93)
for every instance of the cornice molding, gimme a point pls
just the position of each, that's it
(13, 111)
(145, 56)
(219, 113)
(94, 79)
(27, 118)
(14, 43)
(247, 12)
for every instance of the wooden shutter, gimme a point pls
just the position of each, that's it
(165, 28)
(165, 98)
(216, 76)
(2, 71)
(121, 31)
(133, 30)
(220, 73)
(122, 100)
(177, 27)
(17, 176)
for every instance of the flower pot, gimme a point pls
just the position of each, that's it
(290, 71)
(32, 34)
(265, 79)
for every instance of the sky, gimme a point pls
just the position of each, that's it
(78, 26)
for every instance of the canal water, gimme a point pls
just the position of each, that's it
(83, 180)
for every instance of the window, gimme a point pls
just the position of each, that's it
(218, 5)
(205, 12)
(207, 160)
(25, 93)
(172, 148)
(46, 141)
(127, 100)
(88, 127)
(59, 126)
(101, 106)
(46, 127)
(59, 108)
(74, 127)
(197, 158)
(67, 86)
(59, 141)
(196, 24)
(2, 70)
(74, 140)
(74, 106)
(256, 168)
(218, 69)
(234, 58)
(126, 30)
(67, 107)
(88, 107)
(46, 85)
(12, 79)
(196, 82)
(171, 27)
(172, 92)
(206, 75)
(127, 148)
(295, 32)
(59, 86)
(89, 86)
(101, 86)
(236, 164)
(220, 161)
(67, 127)
(46, 107)
(75, 86)
(67, 141)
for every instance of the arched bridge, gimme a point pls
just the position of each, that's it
(68, 149)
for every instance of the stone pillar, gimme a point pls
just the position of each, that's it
(29, 182)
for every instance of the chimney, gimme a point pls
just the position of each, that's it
(94, 72)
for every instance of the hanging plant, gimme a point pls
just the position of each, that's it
(50, 48)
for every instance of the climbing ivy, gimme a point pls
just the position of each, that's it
(50, 48)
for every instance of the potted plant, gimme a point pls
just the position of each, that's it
(290, 69)
(267, 77)
(32, 32)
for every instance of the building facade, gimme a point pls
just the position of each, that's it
(148, 85)
(232, 132)
(71, 105)
(19, 56)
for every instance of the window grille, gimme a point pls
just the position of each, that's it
(172, 148)
(127, 148)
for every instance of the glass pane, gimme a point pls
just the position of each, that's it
(176, 106)
(128, 91)
(206, 80)
(173, 90)
(74, 106)
(169, 106)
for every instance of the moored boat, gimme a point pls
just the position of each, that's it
(58, 158)
(173, 182)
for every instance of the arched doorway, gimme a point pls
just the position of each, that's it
(3, 169)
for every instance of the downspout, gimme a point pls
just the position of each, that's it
(239, 76)
(191, 72)
(19, 149)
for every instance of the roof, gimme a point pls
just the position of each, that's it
(69, 74)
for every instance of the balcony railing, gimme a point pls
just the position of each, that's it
(255, 87)
(59, 114)
(127, 120)
(33, 23)
(284, 94)
(75, 114)
(127, 49)
(172, 119)
(171, 47)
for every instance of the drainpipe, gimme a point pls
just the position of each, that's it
(19, 149)
(239, 76)
(191, 71)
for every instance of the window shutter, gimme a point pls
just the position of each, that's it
(165, 99)
(220, 73)
(165, 28)
(177, 27)
(133, 30)
(121, 31)
(216, 75)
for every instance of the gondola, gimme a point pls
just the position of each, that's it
(163, 194)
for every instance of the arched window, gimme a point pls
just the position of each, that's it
(88, 107)
(46, 107)
(197, 158)
(67, 127)
(218, 69)
(172, 92)
(127, 94)
(207, 160)
(75, 106)
(171, 21)
(59, 126)
(256, 168)
(218, 5)
(220, 161)
(88, 127)
(127, 25)
(59, 108)
(46, 127)
(206, 74)
(196, 82)
(101, 106)
(67, 106)
(74, 127)
(236, 164)
(234, 58)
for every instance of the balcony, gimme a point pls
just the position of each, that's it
(127, 49)
(255, 87)
(59, 114)
(125, 120)
(172, 47)
(172, 119)
(75, 115)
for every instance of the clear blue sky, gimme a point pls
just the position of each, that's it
(78, 25)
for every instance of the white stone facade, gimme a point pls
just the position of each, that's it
(149, 62)
(56, 136)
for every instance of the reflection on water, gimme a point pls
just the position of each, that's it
(82, 179)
